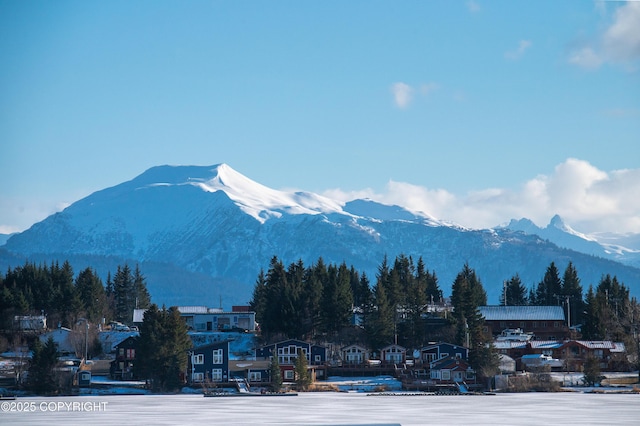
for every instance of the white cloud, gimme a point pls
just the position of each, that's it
(589, 199)
(523, 45)
(19, 213)
(621, 41)
(402, 94)
(473, 6)
(618, 43)
(585, 57)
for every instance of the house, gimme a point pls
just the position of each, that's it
(437, 351)
(354, 355)
(122, 366)
(572, 353)
(545, 322)
(66, 343)
(451, 370)
(393, 354)
(612, 355)
(209, 363)
(30, 322)
(252, 371)
(287, 353)
(202, 318)
(110, 339)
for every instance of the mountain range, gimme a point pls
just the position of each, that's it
(201, 235)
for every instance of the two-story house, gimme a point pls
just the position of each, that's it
(121, 367)
(545, 322)
(209, 363)
(287, 353)
(438, 351)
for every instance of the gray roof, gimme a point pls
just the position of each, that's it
(522, 313)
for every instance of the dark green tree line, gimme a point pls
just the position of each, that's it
(52, 290)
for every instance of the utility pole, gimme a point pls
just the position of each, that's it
(504, 292)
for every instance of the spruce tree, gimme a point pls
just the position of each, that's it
(276, 374)
(142, 298)
(92, 295)
(42, 378)
(301, 371)
(515, 293)
(337, 299)
(572, 293)
(592, 327)
(550, 288)
(467, 294)
(124, 294)
(162, 348)
(380, 320)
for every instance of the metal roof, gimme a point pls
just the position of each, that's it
(509, 344)
(602, 344)
(545, 344)
(522, 313)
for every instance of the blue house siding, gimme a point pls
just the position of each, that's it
(287, 352)
(209, 363)
(431, 353)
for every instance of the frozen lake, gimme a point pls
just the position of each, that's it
(329, 409)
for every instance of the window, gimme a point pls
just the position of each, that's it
(353, 358)
(198, 359)
(598, 353)
(429, 357)
(288, 374)
(556, 324)
(287, 355)
(131, 353)
(197, 377)
(217, 356)
(446, 374)
(216, 374)
(255, 376)
(318, 359)
(121, 351)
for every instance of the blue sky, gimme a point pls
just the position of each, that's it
(473, 111)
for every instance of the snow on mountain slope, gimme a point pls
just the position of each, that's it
(260, 201)
(373, 210)
(184, 223)
(558, 232)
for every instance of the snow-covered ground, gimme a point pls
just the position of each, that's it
(330, 408)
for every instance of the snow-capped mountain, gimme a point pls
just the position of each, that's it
(621, 248)
(204, 233)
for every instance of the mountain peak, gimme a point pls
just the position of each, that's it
(557, 222)
(253, 198)
(524, 225)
